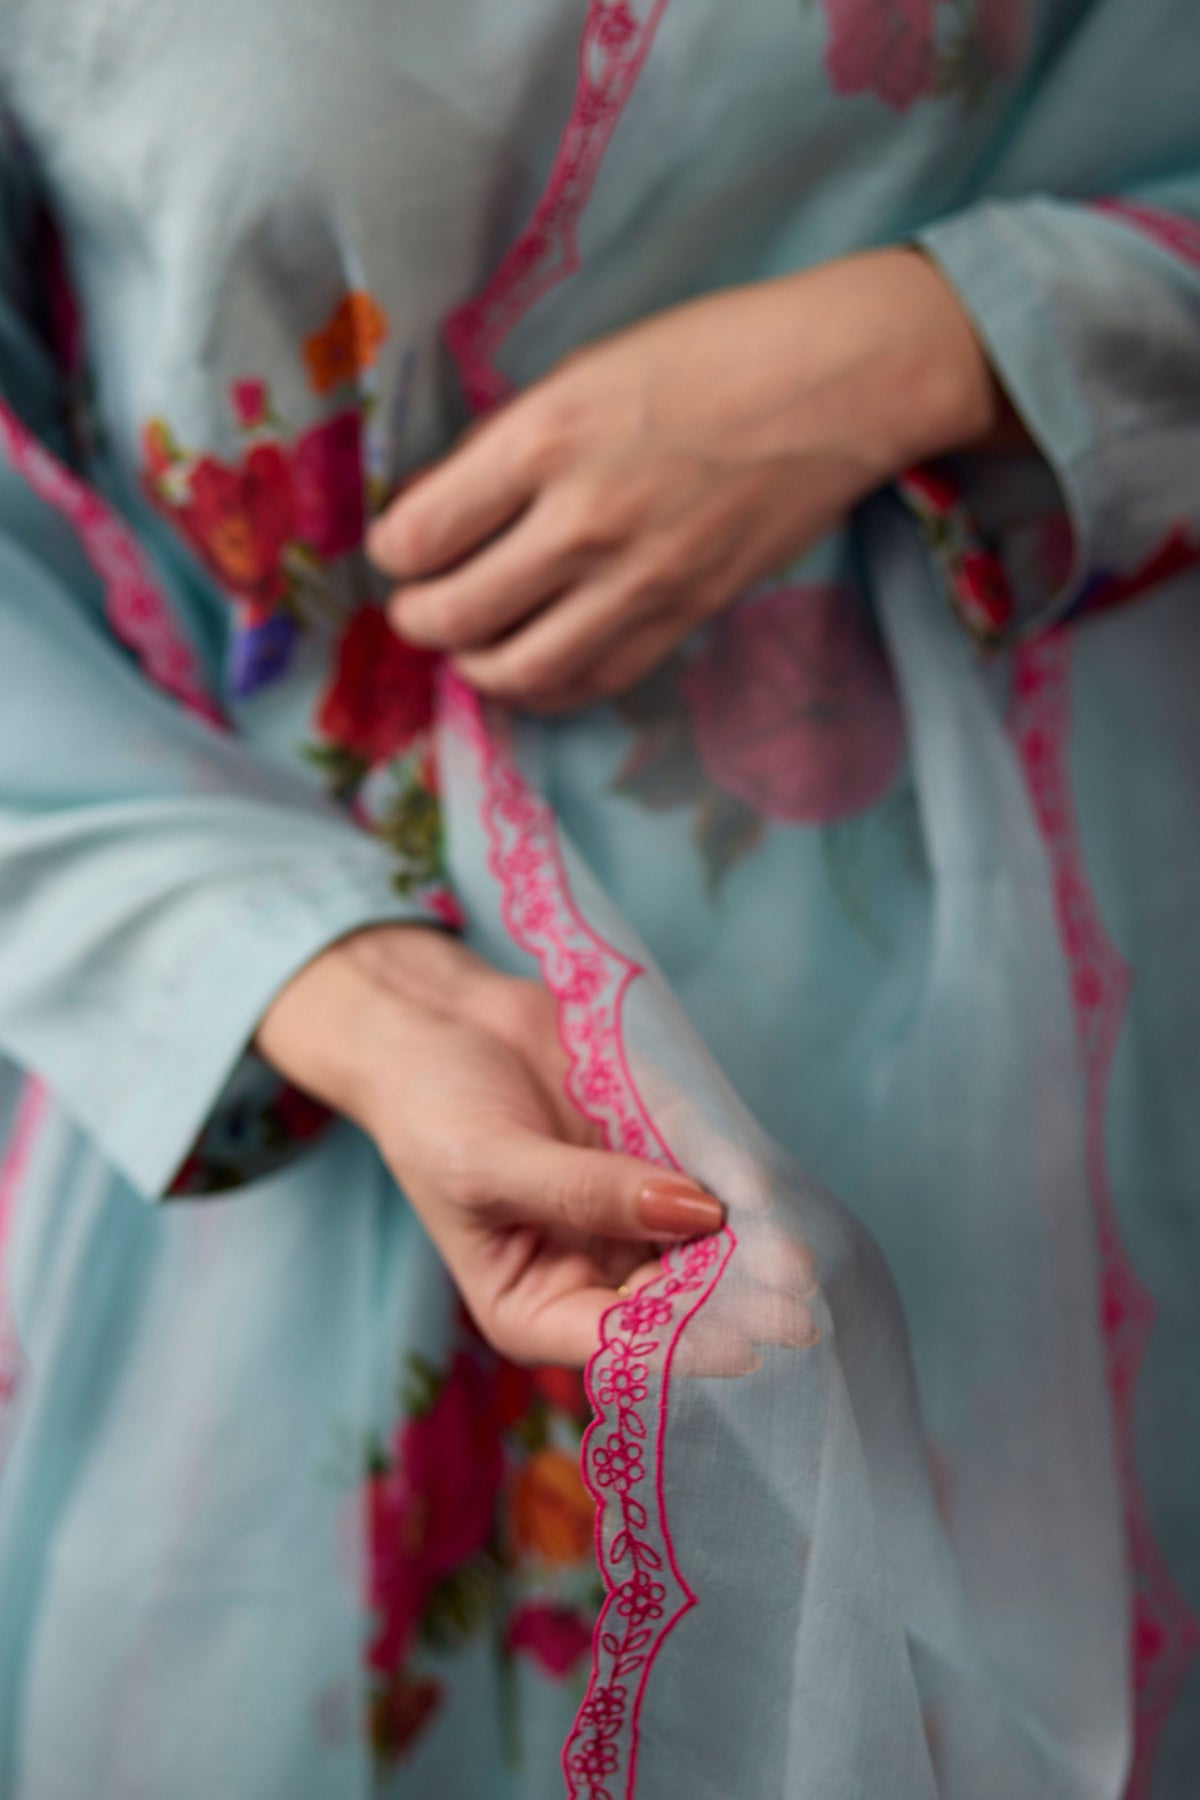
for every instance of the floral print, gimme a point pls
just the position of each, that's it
(267, 523)
(381, 697)
(788, 713)
(474, 1507)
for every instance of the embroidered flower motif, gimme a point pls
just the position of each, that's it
(641, 1600)
(883, 47)
(623, 1379)
(617, 1462)
(381, 696)
(605, 1707)
(645, 1312)
(347, 344)
(551, 1515)
(554, 1636)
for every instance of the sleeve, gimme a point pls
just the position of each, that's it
(1089, 308)
(158, 882)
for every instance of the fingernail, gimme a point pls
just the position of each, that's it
(676, 1206)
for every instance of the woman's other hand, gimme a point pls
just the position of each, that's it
(571, 540)
(457, 1073)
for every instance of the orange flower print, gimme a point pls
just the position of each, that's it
(347, 344)
(551, 1513)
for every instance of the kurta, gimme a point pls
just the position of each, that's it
(875, 908)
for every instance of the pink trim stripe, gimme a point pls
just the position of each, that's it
(1171, 231)
(613, 47)
(31, 1110)
(1165, 1635)
(136, 608)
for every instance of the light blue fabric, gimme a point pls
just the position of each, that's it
(933, 1555)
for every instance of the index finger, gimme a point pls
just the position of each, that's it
(452, 509)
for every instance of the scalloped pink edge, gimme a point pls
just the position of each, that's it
(590, 980)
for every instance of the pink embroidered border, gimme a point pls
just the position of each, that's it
(614, 44)
(646, 1593)
(1165, 1635)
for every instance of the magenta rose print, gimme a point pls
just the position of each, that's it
(789, 713)
(905, 51)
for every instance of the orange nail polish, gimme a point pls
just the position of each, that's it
(678, 1208)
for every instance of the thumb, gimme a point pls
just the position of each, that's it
(600, 1192)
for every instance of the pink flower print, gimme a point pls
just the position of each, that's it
(554, 1636)
(794, 708)
(617, 1463)
(327, 474)
(882, 47)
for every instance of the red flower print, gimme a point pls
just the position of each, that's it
(327, 472)
(794, 708)
(382, 692)
(882, 47)
(554, 1636)
(239, 518)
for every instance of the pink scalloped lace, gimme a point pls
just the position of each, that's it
(1165, 1635)
(646, 1593)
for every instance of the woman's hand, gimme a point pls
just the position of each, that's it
(457, 1074)
(564, 548)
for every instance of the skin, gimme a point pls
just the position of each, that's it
(559, 552)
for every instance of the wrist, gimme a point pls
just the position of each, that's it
(353, 1011)
(927, 390)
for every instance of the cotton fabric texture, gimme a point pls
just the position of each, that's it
(874, 909)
